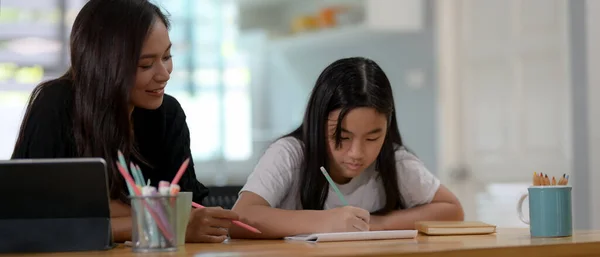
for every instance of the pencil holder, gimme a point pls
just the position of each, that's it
(550, 212)
(184, 209)
(154, 227)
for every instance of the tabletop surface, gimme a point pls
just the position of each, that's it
(506, 242)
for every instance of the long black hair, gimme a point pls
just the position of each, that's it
(346, 84)
(106, 42)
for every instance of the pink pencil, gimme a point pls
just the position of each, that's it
(180, 171)
(237, 222)
(178, 177)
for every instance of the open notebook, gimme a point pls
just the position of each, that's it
(454, 227)
(354, 236)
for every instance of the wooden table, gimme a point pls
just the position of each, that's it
(506, 242)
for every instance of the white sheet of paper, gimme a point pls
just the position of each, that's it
(354, 236)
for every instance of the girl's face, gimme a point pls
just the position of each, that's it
(154, 69)
(363, 133)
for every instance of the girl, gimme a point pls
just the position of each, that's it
(350, 129)
(112, 97)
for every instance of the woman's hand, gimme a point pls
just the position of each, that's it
(209, 225)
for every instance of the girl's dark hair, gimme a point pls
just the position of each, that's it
(346, 84)
(106, 42)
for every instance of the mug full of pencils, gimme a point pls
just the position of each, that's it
(550, 211)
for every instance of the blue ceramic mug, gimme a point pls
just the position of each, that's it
(550, 213)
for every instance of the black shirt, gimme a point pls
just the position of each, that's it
(161, 136)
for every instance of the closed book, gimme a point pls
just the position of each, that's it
(454, 227)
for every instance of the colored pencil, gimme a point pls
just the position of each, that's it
(137, 176)
(181, 171)
(137, 167)
(174, 187)
(332, 184)
(124, 164)
(237, 222)
(561, 181)
(541, 179)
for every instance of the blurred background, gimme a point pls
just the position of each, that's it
(487, 91)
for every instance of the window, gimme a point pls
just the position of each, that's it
(210, 78)
(31, 50)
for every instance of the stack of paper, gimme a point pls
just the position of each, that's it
(354, 236)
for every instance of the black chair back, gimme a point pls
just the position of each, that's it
(224, 196)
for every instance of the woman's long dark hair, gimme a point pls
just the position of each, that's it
(106, 42)
(347, 84)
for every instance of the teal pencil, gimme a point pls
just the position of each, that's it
(137, 167)
(335, 188)
(137, 175)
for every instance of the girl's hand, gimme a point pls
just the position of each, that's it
(345, 219)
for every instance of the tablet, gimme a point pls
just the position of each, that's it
(356, 236)
(51, 205)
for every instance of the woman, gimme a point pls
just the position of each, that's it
(112, 98)
(350, 129)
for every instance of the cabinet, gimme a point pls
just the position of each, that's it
(312, 24)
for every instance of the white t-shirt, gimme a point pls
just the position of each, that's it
(276, 178)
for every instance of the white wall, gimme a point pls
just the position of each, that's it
(593, 79)
(291, 77)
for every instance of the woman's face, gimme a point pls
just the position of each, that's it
(363, 133)
(154, 69)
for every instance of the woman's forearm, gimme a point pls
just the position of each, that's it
(119, 209)
(120, 221)
(121, 229)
